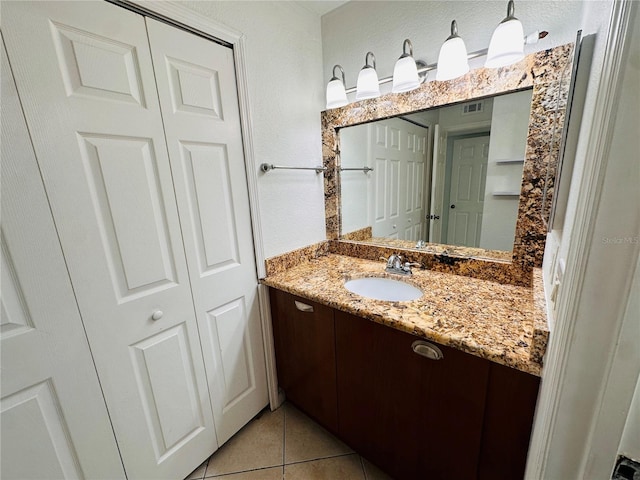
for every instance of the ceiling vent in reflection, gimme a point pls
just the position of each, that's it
(472, 108)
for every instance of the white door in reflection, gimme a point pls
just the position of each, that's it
(466, 193)
(397, 204)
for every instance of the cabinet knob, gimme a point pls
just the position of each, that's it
(157, 315)
(303, 307)
(426, 349)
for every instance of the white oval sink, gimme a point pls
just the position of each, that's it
(379, 288)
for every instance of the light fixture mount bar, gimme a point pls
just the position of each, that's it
(425, 69)
(434, 66)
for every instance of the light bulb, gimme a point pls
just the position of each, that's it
(507, 42)
(452, 61)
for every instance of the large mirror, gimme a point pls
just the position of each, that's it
(449, 175)
(510, 227)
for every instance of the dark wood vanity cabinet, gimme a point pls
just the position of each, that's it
(458, 417)
(508, 418)
(304, 340)
(429, 412)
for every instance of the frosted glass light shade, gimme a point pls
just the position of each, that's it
(336, 95)
(452, 61)
(405, 75)
(367, 85)
(507, 44)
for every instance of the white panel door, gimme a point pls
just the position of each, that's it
(54, 422)
(386, 182)
(466, 197)
(197, 88)
(437, 184)
(415, 138)
(399, 156)
(84, 72)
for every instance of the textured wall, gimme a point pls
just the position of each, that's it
(286, 92)
(381, 26)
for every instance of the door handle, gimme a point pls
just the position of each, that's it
(157, 315)
(426, 349)
(303, 307)
(453, 206)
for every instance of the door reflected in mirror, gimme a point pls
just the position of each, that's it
(450, 175)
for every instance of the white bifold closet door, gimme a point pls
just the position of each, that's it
(155, 316)
(54, 421)
(197, 89)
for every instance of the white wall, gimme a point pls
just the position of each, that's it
(357, 27)
(355, 185)
(509, 128)
(286, 94)
(630, 444)
(591, 395)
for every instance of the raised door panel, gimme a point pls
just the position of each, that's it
(210, 206)
(84, 57)
(54, 423)
(127, 198)
(304, 340)
(167, 385)
(197, 89)
(101, 148)
(34, 411)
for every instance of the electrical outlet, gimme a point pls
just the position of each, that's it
(626, 469)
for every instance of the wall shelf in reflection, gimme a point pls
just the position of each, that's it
(506, 194)
(513, 160)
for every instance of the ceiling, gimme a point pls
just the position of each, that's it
(320, 7)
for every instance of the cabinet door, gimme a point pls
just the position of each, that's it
(452, 396)
(379, 404)
(84, 74)
(415, 417)
(305, 355)
(511, 404)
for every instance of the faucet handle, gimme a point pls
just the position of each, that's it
(407, 266)
(394, 260)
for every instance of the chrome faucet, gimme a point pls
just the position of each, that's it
(395, 265)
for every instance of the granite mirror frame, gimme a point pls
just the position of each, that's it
(547, 72)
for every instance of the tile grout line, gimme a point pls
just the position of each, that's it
(284, 437)
(338, 455)
(364, 470)
(206, 466)
(223, 475)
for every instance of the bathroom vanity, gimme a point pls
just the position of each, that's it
(443, 386)
(358, 367)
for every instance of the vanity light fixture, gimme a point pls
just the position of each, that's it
(507, 41)
(405, 72)
(336, 94)
(368, 85)
(452, 61)
(507, 47)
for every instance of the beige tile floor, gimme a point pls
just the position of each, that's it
(286, 445)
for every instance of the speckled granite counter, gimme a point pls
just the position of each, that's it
(502, 323)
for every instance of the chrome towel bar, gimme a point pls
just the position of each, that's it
(265, 167)
(364, 169)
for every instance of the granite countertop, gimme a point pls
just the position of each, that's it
(502, 323)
